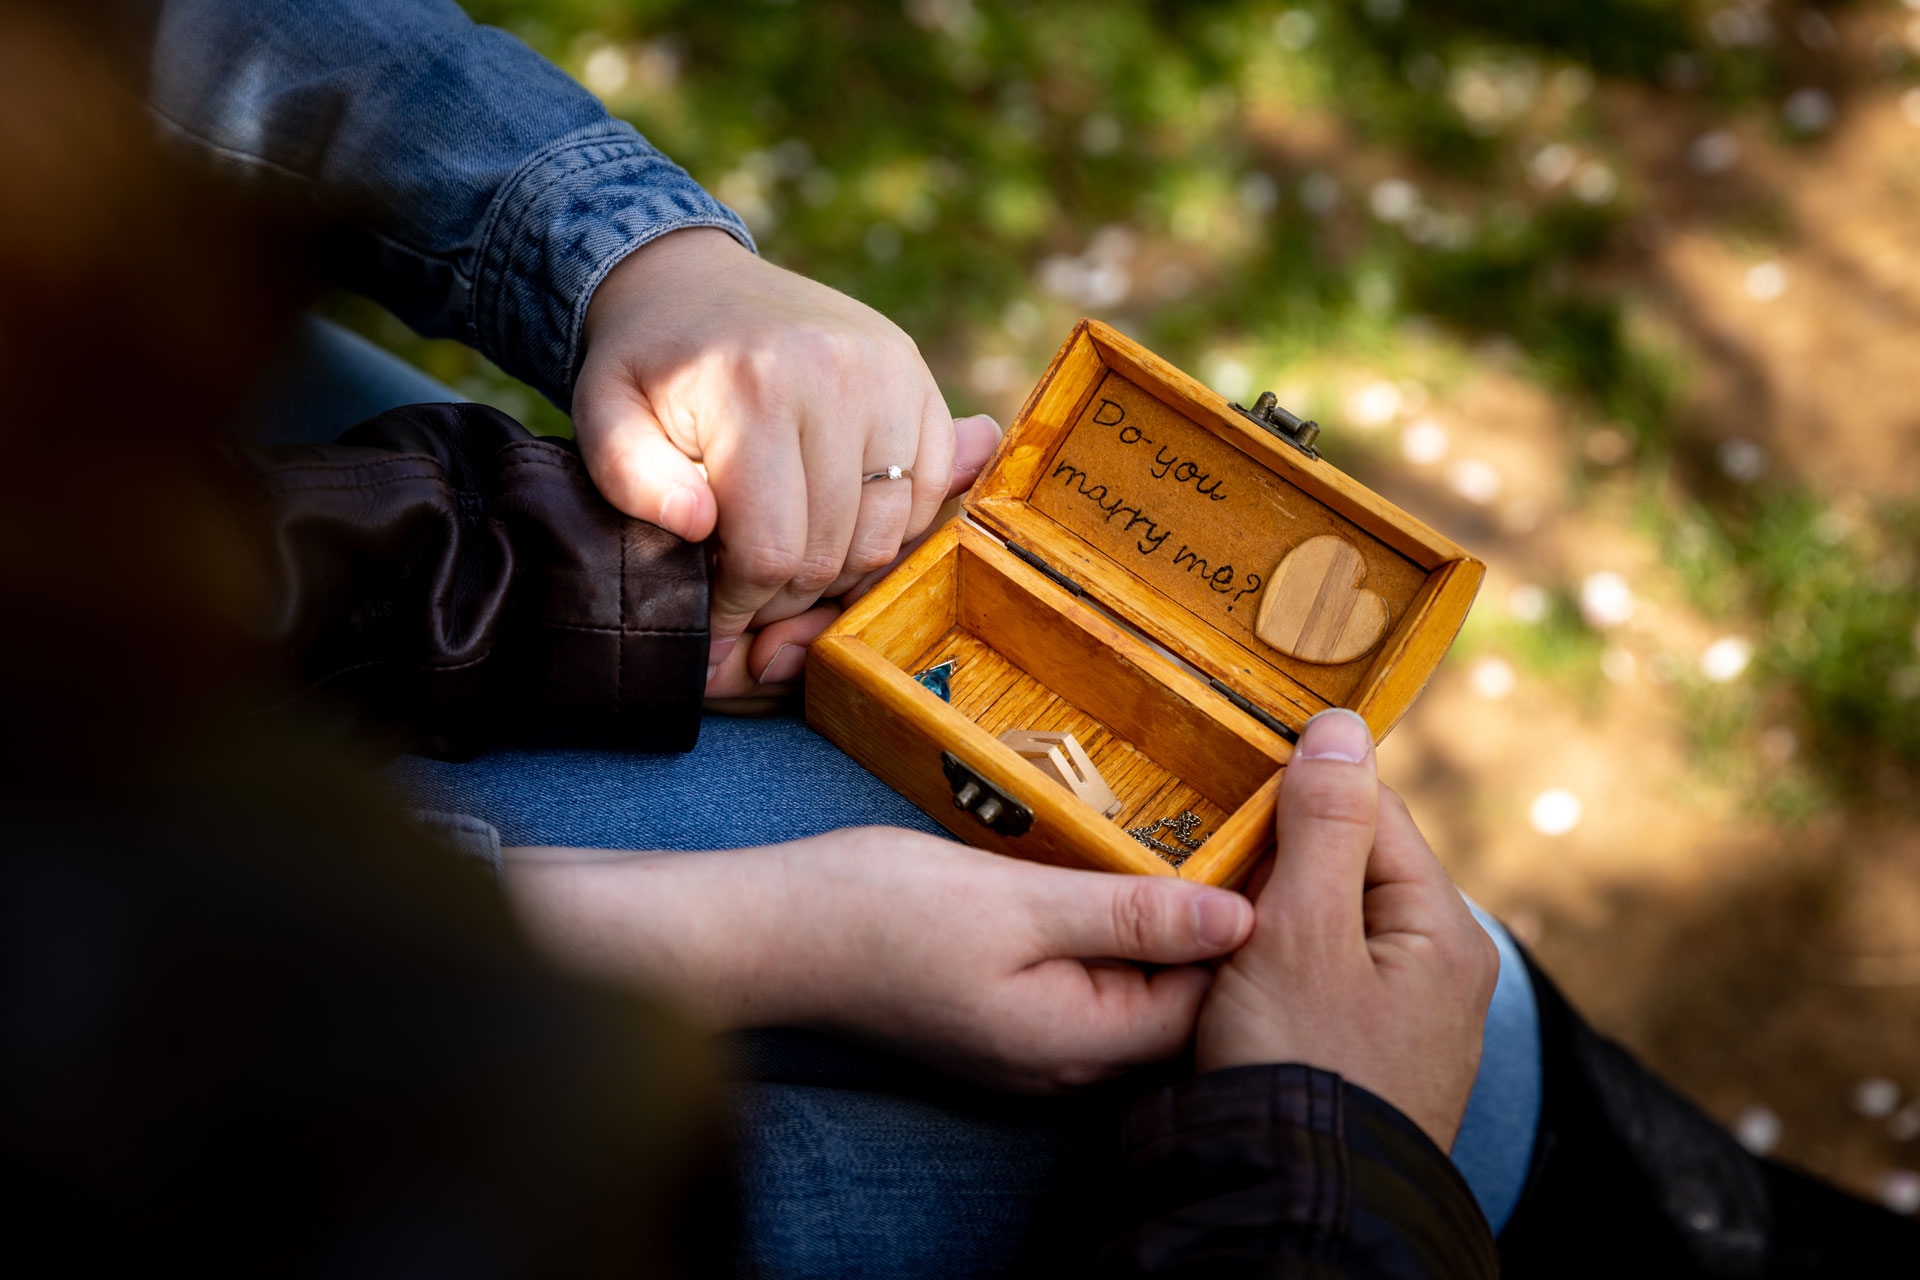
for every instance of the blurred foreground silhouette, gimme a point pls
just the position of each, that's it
(253, 1016)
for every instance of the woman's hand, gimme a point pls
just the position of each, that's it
(988, 967)
(754, 675)
(721, 393)
(1365, 959)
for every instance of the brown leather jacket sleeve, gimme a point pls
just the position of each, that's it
(442, 572)
(1291, 1171)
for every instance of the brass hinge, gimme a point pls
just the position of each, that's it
(1246, 704)
(1220, 687)
(1271, 418)
(1046, 568)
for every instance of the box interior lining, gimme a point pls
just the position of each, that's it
(991, 691)
(955, 610)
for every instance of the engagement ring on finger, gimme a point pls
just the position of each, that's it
(891, 473)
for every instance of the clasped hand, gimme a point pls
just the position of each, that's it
(1357, 956)
(723, 397)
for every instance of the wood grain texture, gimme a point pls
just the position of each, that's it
(1148, 611)
(1099, 666)
(897, 730)
(1245, 838)
(1049, 413)
(1189, 617)
(1315, 606)
(862, 698)
(998, 696)
(1316, 477)
(1189, 749)
(916, 602)
(1410, 659)
(1198, 528)
(1031, 656)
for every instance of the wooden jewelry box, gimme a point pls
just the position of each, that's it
(1177, 582)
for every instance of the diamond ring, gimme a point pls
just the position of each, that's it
(891, 473)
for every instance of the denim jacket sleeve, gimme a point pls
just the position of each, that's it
(487, 194)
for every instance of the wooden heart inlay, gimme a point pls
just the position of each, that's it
(1314, 607)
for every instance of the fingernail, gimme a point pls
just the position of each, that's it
(974, 440)
(1335, 734)
(1220, 919)
(717, 651)
(676, 513)
(787, 662)
(711, 668)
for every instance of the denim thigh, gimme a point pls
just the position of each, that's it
(854, 1165)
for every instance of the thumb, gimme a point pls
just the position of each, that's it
(974, 440)
(637, 466)
(1329, 805)
(1155, 919)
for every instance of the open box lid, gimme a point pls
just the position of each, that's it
(1290, 585)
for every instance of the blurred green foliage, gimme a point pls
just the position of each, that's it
(927, 156)
(1244, 185)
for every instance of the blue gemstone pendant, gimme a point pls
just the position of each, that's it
(938, 678)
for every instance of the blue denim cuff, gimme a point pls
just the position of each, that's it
(566, 217)
(466, 835)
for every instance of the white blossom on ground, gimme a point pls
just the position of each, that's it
(1227, 375)
(1726, 658)
(1807, 111)
(1741, 459)
(1876, 1097)
(1764, 281)
(1758, 1130)
(1294, 30)
(1605, 600)
(1552, 165)
(1492, 678)
(1900, 1190)
(1619, 665)
(1424, 443)
(1319, 193)
(1555, 812)
(1394, 200)
(606, 71)
(1474, 480)
(1374, 405)
(1714, 152)
(1528, 603)
(1595, 184)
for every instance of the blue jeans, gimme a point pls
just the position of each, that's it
(854, 1162)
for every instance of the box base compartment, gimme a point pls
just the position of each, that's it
(991, 691)
(1029, 656)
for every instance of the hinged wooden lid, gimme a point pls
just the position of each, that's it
(1271, 571)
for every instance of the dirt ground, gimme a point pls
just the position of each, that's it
(1768, 968)
(1759, 966)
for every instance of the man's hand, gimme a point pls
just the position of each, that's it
(988, 967)
(720, 392)
(1364, 959)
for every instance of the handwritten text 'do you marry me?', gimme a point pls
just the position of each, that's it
(1147, 534)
